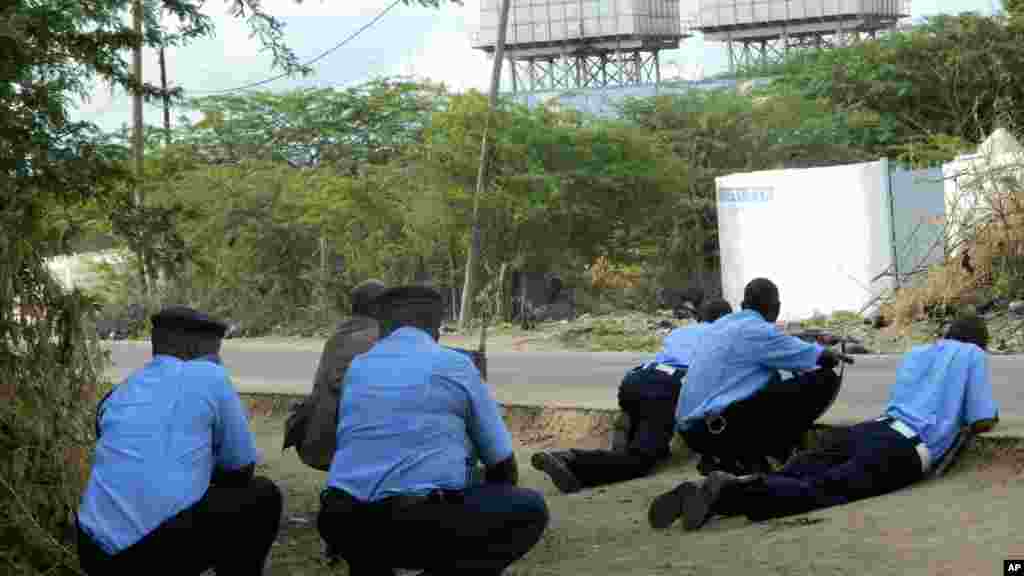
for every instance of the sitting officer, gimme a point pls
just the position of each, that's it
(412, 414)
(648, 396)
(939, 390)
(314, 424)
(173, 471)
(736, 409)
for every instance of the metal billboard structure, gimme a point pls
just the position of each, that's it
(760, 32)
(554, 45)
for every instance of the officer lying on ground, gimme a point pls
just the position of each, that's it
(939, 389)
(172, 486)
(736, 410)
(648, 396)
(313, 425)
(412, 411)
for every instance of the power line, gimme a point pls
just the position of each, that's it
(311, 62)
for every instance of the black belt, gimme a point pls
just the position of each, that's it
(391, 503)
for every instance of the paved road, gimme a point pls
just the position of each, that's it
(558, 378)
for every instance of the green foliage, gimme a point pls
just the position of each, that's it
(564, 193)
(933, 89)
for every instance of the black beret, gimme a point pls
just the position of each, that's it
(408, 295)
(189, 320)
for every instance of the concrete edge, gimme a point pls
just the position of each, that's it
(535, 423)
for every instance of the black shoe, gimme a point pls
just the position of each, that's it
(667, 507)
(556, 469)
(698, 504)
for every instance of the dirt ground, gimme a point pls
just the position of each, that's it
(961, 524)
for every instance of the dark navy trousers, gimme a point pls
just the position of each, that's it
(869, 460)
(772, 422)
(231, 529)
(648, 395)
(485, 529)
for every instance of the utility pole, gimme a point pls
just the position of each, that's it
(472, 260)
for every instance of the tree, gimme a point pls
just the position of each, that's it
(51, 169)
(564, 192)
(935, 89)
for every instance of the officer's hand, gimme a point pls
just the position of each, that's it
(830, 358)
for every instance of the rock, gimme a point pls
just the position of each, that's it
(1017, 308)
(665, 324)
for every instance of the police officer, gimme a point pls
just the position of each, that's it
(173, 470)
(940, 389)
(313, 425)
(398, 491)
(648, 396)
(736, 409)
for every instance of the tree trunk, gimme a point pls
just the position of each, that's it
(166, 98)
(501, 295)
(137, 138)
(454, 280)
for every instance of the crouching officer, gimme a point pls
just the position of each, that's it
(413, 413)
(173, 470)
(736, 410)
(648, 396)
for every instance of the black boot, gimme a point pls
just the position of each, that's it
(556, 466)
(668, 506)
(718, 494)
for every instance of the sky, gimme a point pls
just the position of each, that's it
(408, 40)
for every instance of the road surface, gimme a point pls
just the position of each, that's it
(575, 379)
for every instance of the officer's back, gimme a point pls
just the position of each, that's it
(412, 408)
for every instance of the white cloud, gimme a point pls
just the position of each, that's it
(446, 54)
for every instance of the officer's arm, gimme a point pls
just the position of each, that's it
(773, 348)
(486, 428)
(234, 445)
(980, 409)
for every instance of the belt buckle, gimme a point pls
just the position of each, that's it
(715, 423)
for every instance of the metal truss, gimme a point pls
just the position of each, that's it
(753, 54)
(570, 71)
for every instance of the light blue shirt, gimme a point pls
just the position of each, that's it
(678, 347)
(738, 355)
(163, 430)
(941, 388)
(412, 416)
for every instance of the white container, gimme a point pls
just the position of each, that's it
(825, 236)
